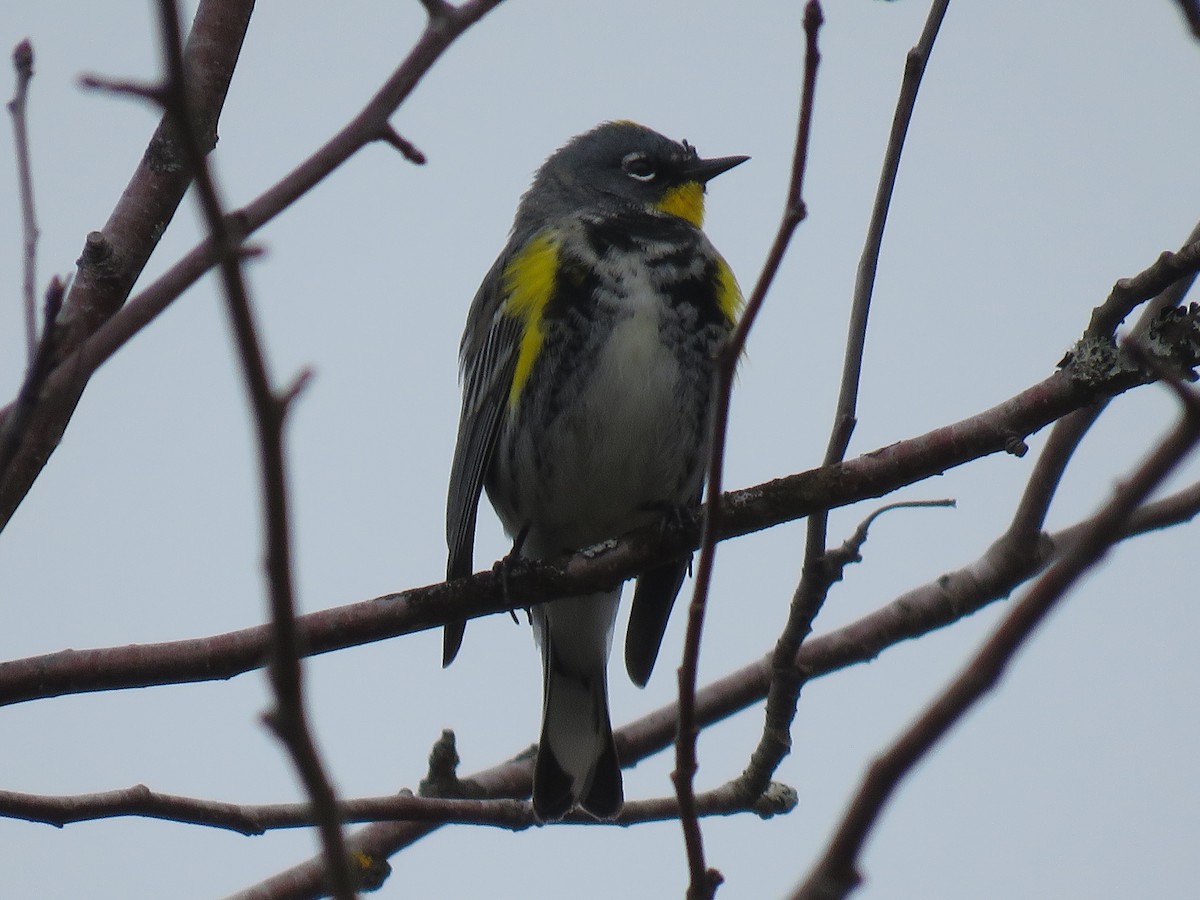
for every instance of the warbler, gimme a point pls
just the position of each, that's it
(587, 368)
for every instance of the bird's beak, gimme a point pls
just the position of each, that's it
(704, 170)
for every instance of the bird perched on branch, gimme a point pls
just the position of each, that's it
(587, 369)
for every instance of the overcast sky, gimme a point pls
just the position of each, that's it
(1053, 151)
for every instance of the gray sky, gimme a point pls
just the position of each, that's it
(1052, 152)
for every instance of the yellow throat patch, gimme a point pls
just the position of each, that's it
(685, 201)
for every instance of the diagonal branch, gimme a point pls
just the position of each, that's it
(114, 257)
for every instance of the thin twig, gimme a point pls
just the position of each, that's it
(851, 548)
(1128, 293)
(1173, 294)
(819, 572)
(40, 366)
(1051, 465)
(703, 881)
(835, 874)
(864, 286)
(23, 65)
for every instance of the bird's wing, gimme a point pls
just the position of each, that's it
(488, 358)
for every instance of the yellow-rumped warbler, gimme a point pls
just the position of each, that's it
(587, 367)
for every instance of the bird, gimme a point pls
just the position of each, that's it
(587, 367)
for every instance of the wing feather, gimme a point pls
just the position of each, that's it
(487, 360)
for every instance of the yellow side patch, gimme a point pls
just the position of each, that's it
(529, 284)
(685, 201)
(729, 295)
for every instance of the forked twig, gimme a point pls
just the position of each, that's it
(1024, 531)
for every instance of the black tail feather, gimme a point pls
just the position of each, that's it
(652, 601)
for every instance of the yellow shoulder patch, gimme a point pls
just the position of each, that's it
(528, 286)
(686, 201)
(729, 295)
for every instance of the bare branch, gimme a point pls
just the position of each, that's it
(255, 819)
(703, 881)
(129, 237)
(784, 499)
(852, 546)
(406, 147)
(1174, 509)
(1048, 471)
(944, 600)
(23, 65)
(154, 93)
(213, 29)
(835, 874)
(1025, 529)
(437, 9)
(864, 285)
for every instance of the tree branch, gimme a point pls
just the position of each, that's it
(835, 874)
(94, 338)
(947, 599)
(103, 280)
(253, 819)
(785, 499)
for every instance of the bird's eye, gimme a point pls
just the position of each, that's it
(638, 167)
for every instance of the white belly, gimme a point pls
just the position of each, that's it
(617, 449)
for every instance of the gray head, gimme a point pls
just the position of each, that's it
(621, 165)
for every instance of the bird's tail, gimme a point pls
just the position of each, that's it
(577, 759)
